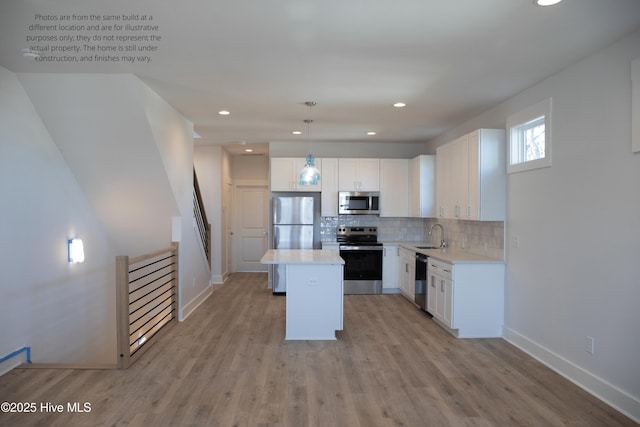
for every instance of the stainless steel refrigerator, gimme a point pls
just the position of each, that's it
(296, 225)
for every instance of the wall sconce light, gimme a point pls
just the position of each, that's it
(76, 250)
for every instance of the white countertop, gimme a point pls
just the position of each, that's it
(452, 256)
(301, 256)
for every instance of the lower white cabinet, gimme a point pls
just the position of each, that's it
(390, 265)
(467, 299)
(407, 273)
(440, 291)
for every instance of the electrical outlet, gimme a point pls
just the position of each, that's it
(589, 345)
(515, 242)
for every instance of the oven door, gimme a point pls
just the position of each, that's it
(362, 262)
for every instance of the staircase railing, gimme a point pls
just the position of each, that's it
(146, 292)
(204, 228)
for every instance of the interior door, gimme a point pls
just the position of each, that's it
(251, 227)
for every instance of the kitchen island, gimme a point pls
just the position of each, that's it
(315, 292)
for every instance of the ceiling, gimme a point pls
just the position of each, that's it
(262, 60)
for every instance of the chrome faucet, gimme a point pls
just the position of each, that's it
(443, 244)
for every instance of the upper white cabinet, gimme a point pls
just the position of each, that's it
(487, 175)
(423, 187)
(394, 187)
(443, 181)
(329, 185)
(358, 174)
(453, 178)
(471, 177)
(285, 174)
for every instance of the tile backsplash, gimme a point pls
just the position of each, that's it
(479, 237)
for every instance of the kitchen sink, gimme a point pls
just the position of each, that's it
(426, 247)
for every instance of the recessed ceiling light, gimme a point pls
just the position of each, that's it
(296, 132)
(248, 150)
(399, 104)
(546, 2)
(371, 133)
(224, 113)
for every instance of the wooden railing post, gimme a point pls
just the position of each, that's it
(122, 307)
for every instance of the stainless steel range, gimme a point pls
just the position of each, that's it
(362, 256)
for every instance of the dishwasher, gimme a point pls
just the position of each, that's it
(421, 281)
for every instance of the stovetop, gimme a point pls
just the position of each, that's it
(361, 236)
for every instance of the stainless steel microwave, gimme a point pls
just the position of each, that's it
(358, 203)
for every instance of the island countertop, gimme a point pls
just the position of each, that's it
(301, 256)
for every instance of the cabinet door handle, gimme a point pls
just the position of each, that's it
(406, 268)
(442, 286)
(468, 211)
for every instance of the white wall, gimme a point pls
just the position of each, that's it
(389, 150)
(250, 168)
(208, 165)
(104, 158)
(577, 270)
(102, 126)
(172, 134)
(64, 312)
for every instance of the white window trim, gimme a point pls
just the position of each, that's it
(541, 109)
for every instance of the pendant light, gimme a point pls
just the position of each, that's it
(309, 175)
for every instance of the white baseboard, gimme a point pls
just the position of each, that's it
(608, 393)
(191, 306)
(216, 279)
(8, 365)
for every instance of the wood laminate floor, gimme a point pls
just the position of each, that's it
(228, 365)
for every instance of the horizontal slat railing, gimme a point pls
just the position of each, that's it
(147, 300)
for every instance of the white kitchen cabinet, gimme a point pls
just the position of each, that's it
(423, 187)
(471, 179)
(487, 175)
(359, 174)
(467, 299)
(329, 186)
(407, 273)
(443, 180)
(394, 187)
(285, 174)
(390, 265)
(460, 177)
(440, 291)
(452, 178)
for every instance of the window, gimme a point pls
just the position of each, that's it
(529, 134)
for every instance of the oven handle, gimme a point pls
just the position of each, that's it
(361, 248)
